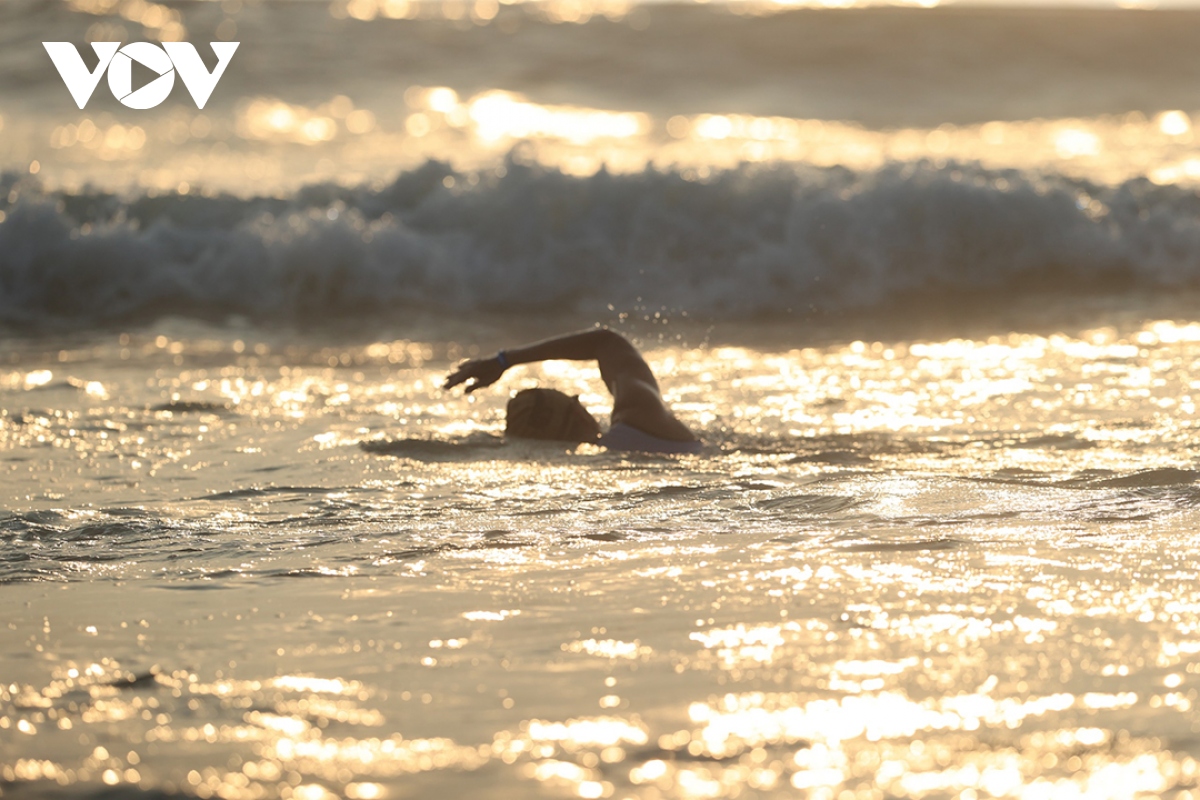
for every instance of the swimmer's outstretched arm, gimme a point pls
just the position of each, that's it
(611, 350)
(636, 397)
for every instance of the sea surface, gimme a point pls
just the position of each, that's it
(923, 279)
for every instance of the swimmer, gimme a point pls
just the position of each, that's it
(641, 420)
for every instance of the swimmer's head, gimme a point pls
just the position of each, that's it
(551, 415)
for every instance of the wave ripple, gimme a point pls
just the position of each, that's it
(750, 241)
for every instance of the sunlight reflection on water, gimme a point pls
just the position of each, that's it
(915, 569)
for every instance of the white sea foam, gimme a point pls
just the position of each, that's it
(745, 242)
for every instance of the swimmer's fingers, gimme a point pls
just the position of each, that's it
(485, 373)
(458, 376)
(453, 379)
(475, 374)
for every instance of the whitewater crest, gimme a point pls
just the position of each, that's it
(746, 241)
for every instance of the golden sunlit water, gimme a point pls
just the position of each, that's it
(250, 567)
(270, 135)
(921, 275)
(273, 141)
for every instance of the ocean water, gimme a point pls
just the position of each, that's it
(924, 280)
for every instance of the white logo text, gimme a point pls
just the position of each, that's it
(163, 61)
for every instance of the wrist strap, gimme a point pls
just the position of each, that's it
(502, 357)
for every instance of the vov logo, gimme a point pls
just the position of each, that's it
(164, 61)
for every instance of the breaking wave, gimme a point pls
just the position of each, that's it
(745, 242)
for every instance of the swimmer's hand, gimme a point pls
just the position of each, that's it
(476, 373)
